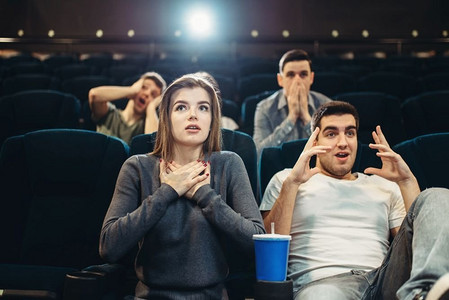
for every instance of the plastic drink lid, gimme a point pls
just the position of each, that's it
(271, 236)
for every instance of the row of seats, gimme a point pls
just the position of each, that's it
(56, 188)
(57, 184)
(241, 78)
(239, 66)
(330, 83)
(42, 109)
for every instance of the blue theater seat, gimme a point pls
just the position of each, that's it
(56, 188)
(426, 156)
(37, 109)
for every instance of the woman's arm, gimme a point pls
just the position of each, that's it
(237, 216)
(129, 217)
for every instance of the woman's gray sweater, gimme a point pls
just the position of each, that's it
(181, 242)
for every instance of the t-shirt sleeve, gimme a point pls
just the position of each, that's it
(273, 190)
(397, 209)
(108, 117)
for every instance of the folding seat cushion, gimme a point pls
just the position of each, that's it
(56, 188)
(426, 156)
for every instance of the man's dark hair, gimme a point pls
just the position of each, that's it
(294, 55)
(334, 108)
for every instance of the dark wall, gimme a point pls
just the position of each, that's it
(236, 18)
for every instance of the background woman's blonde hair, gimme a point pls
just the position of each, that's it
(164, 145)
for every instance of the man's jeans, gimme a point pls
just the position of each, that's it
(418, 256)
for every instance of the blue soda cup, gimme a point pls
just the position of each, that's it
(271, 256)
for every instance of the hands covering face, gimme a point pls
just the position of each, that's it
(186, 179)
(297, 100)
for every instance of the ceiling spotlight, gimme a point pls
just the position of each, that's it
(365, 33)
(200, 22)
(285, 33)
(415, 33)
(335, 33)
(20, 32)
(254, 33)
(131, 33)
(51, 33)
(99, 33)
(444, 33)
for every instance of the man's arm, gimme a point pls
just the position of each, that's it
(270, 130)
(151, 117)
(282, 211)
(394, 168)
(100, 96)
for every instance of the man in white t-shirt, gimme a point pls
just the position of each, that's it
(341, 222)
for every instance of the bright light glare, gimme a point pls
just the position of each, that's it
(200, 23)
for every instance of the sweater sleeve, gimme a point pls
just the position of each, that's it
(129, 217)
(235, 214)
(266, 135)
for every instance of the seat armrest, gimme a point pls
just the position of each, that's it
(94, 282)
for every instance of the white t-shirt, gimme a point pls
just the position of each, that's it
(338, 225)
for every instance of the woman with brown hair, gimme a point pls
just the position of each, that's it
(182, 202)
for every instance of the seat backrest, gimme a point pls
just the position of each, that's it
(226, 85)
(435, 81)
(255, 84)
(24, 82)
(28, 68)
(333, 83)
(426, 113)
(234, 141)
(374, 109)
(56, 188)
(391, 83)
(80, 86)
(426, 156)
(55, 61)
(73, 70)
(275, 159)
(249, 109)
(37, 109)
(118, 73)
(230, 109)
(100, 61)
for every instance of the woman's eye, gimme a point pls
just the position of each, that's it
(180, 107)
(204, 108)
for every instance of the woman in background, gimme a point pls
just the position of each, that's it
(182, 201)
